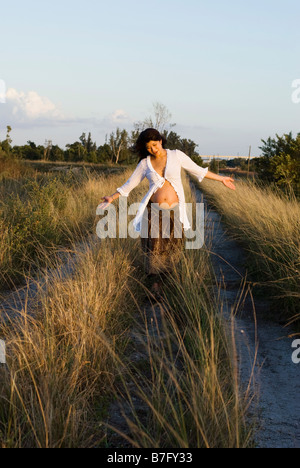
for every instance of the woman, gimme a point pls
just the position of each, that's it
(162, 167)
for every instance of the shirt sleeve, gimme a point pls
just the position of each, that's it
(189, 165)
(134, 180)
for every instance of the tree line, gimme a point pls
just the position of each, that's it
(117, 149)
(279, 162)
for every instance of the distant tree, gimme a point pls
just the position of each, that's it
(133, 137)
(222, 163)
(118, 142)
(189, 148)
(280, 160)
(32, 152)
(90, 153)
(174, 141)
(75, 152)
(47, 150)
(82, 138)
(104, 154)
(90, 145)
(160, 120)
(57, 154)
(83, 150)
(17, 152)
(241, 163)
(287, 168)
(92, 157)
(6, 144)
(8, 139)
(214, 165)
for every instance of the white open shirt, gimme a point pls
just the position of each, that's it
(176, 160)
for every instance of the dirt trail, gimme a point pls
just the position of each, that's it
(13, 301)
(147, 330)
(148, 323)
(277, 377)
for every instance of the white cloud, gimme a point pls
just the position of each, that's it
(30, 107)
(29, 110)
(119, 115)
(37, 117)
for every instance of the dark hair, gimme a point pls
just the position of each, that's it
(150, 134)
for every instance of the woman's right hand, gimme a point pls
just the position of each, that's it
(107, 201)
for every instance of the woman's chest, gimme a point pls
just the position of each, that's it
(159, 166)
(165, 168)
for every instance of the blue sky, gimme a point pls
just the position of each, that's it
(223, 69)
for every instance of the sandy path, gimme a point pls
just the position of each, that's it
(277, 377)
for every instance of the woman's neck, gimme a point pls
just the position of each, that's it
(161, 155)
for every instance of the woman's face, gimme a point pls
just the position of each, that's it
(154, 148)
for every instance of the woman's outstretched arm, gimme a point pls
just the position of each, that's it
(108, 200)
(227, 181)
(200, 172)
(135, 179)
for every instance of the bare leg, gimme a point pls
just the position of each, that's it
(157, 289)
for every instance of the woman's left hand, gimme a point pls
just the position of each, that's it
(229, 182)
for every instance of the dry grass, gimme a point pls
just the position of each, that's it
(60, 361)
(11, 168)
(267, 223)
(60, 356)
(189, 380)
(66, 361)
(45, 211)
(190, 384)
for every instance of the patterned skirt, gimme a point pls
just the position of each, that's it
(162, 238)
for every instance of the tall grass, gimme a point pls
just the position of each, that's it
(190, 383)
(188, 377)
(267, 223)
(60, 359)
(61, 351)
(13, 168)
(45, 211)
(66, 357)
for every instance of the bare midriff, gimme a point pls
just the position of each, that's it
(166, 196)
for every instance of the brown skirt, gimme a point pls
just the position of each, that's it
(162, 239)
